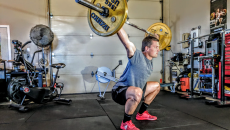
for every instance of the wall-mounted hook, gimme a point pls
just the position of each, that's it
(91, 36)
(91, 54)
(53, 55)
(92, 74)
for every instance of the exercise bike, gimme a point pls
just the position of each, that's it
(24, 89)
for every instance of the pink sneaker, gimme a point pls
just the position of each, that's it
(145, 116)
(128, 125)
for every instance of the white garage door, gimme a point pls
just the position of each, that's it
(73, 45)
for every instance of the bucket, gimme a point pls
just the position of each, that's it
(184, 84)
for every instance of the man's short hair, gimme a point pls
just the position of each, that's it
(147, 41)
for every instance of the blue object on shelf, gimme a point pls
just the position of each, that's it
(206, 90)
(214, 39)
(206, 75)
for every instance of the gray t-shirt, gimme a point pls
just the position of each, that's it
(137, 71)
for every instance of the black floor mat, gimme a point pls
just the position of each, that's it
(196, 108)
(13, 115)
(167, 117)
(87, 96)
(88, 123)
(78, 108)
(13, 126)
(205, 126)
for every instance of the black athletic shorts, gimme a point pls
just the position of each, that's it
(119, 94)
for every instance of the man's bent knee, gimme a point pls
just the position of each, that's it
(158, 87)
(136, 94)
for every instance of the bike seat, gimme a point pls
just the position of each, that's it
(58, 65)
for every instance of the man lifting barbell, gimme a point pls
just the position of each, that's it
(106, 19)
(132, 85)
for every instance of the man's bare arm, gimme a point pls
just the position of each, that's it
(129, 46)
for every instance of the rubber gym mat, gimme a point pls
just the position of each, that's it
(111, 102)
(205, 126)
(88, 123)
(13, 115)
(78, 108)
(106, 102)
(87, 96)
(196, 108)
(12, 126)
(166, 117)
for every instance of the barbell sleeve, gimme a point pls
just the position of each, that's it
(90, 5)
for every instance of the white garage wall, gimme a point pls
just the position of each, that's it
(21, 16)
(73, 45)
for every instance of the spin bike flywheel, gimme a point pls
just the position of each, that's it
(13, 89)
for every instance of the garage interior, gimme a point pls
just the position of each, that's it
(58, 71)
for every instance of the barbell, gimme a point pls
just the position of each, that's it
(107, 17)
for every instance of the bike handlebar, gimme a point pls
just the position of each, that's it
(26, 43)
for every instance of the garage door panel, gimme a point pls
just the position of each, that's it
(82, 84)
(136, 10)
(68, 7)
(21, 8)
(155, 76)
(88, 84)
(86, 64)
(157, 63)
(66, 25)
(83, 45)
(144, 9)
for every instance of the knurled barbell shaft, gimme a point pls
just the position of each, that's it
(135, 26)
(90, 5)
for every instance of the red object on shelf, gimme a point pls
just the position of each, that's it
(184, 84)
(227, 40)
(227, 80)
(227, 48)
(227, 67)
(206, 66)
(201, 54)
(227, 52)
(227, 72)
